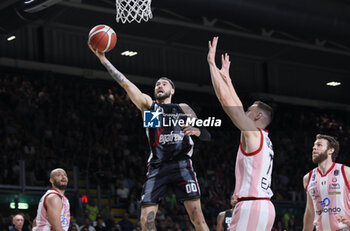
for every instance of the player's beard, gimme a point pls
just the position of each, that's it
(163, 97)
(59, 185)
(321, 157)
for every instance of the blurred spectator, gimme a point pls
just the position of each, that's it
(98, 216)
(84, 228)
(116, 227)
(110, 221)
(100, 225)
(93, 212)
(73, 222)
(87, 225)
(18, 222)
(125, 224)
(134, 205)
(73, 228)
(122, 193)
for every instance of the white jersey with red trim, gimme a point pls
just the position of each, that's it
(330, 195)
(42, 223)
(253, 170)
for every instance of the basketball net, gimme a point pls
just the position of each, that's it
(133, 10)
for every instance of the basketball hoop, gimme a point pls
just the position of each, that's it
(133, 10)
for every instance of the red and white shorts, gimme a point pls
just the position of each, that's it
(253, 215)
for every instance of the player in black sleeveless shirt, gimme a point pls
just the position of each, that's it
(171, 147)
(224, 218)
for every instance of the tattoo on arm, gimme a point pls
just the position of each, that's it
(197, 217)
(193, 216)
(188, 111)
(116, 75)
(150, 225)
(192, 113)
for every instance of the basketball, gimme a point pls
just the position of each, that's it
(102, 38)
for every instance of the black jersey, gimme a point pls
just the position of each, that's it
(227, 219)
(168, 142)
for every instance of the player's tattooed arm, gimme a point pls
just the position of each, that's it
(197, 219)
(188, 110)
(116, 75)
(150, 224)
(142, 101)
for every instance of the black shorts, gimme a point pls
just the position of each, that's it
(178, 175)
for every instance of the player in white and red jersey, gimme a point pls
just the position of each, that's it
(53, 210)
(327, 188)
(254, 210)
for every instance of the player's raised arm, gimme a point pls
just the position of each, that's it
(309, 214)
(141, 100)
(226, 93)
(221, 89)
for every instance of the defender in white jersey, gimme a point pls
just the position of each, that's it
(254, 210)
(53, 210)
(327, 189)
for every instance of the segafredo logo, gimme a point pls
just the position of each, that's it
(159, 119)
(171, 138)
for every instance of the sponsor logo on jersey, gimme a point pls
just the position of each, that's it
(331, 211)
(64, 220)
(171, 138)
(314, 193)
(313, 177)
(334, 186)
(336, 172)
(334, 193)
(325, 203)
(334, 179)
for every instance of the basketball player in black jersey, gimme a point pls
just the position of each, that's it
(224, 218)
(171, 149)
